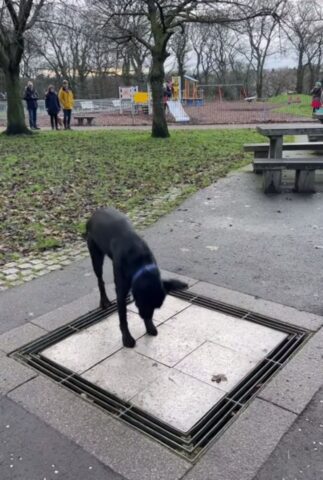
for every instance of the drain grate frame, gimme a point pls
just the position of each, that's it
(208, 429)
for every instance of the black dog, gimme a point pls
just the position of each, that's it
(110, 233)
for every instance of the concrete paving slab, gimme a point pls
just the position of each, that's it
(170, 307)
(118, 446)
(211, 360)
(281, 312)
(125, 374)
(294, 386)
(32, 450)
(299, 454)
(12, 374)
(177, 399)
(17, 337)
(168, 347)
(242, 449)
(84, 349)
(240, 335)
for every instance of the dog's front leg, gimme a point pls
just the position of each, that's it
(150, 327)
(127, 340)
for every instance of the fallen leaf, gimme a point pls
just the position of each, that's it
(219, 378)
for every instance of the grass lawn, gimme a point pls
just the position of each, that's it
(51, 182)
(303, 108)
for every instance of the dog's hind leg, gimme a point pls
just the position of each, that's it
(97, 257)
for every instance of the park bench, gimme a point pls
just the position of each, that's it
(250, 99)
(80, 120)
(261, 150)
(304, 172)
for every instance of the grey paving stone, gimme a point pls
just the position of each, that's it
(86, 348)
(17, 337)
(54, 267)
(37, 267)
(242, 449)
(177, 399)
(65, 314)
(299, 454)
(125, 373)
(12, 374)
(294, 386)
(32, 450)
(12, 277)
(118, 446)
(284, 313)
(170, 307)
(10, 271)
(25, 266)
(211, 359)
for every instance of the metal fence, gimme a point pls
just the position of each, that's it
(114, 112)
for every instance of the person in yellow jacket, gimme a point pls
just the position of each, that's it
(66, 100)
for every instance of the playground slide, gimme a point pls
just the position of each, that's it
(176, 109)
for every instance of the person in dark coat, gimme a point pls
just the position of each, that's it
(31, 97)
(52, 106)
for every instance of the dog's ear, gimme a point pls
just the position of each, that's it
(173, 284)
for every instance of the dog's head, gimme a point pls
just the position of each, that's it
(149, 292)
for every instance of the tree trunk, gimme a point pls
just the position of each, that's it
(157, 77)
(259, 86)
(300, 74)
(15, 111)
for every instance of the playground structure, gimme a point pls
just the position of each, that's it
(192, 93)
(226, 91)
(131, 99)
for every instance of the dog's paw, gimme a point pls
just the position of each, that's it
(105, 304)
(128, 341)
(152, 330)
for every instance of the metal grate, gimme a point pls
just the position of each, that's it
(207, 429)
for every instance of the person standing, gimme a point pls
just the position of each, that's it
(52, 106)
(66, 99)
(31, 97)
(316, 93)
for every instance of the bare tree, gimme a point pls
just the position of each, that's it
(180, 46)
(203, 42)
(160, 20)
(216, 50)
(261, 33)
(303, 27)
(65, 41)
(16, 18)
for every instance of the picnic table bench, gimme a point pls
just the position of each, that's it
(261, 150)
(273, 166)
(80, 119)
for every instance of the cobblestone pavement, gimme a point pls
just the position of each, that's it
(27, 268)
(33, 266)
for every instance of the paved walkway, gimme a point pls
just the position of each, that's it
(245, 249)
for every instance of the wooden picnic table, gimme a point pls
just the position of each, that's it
(272, 167)
(276, 132)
